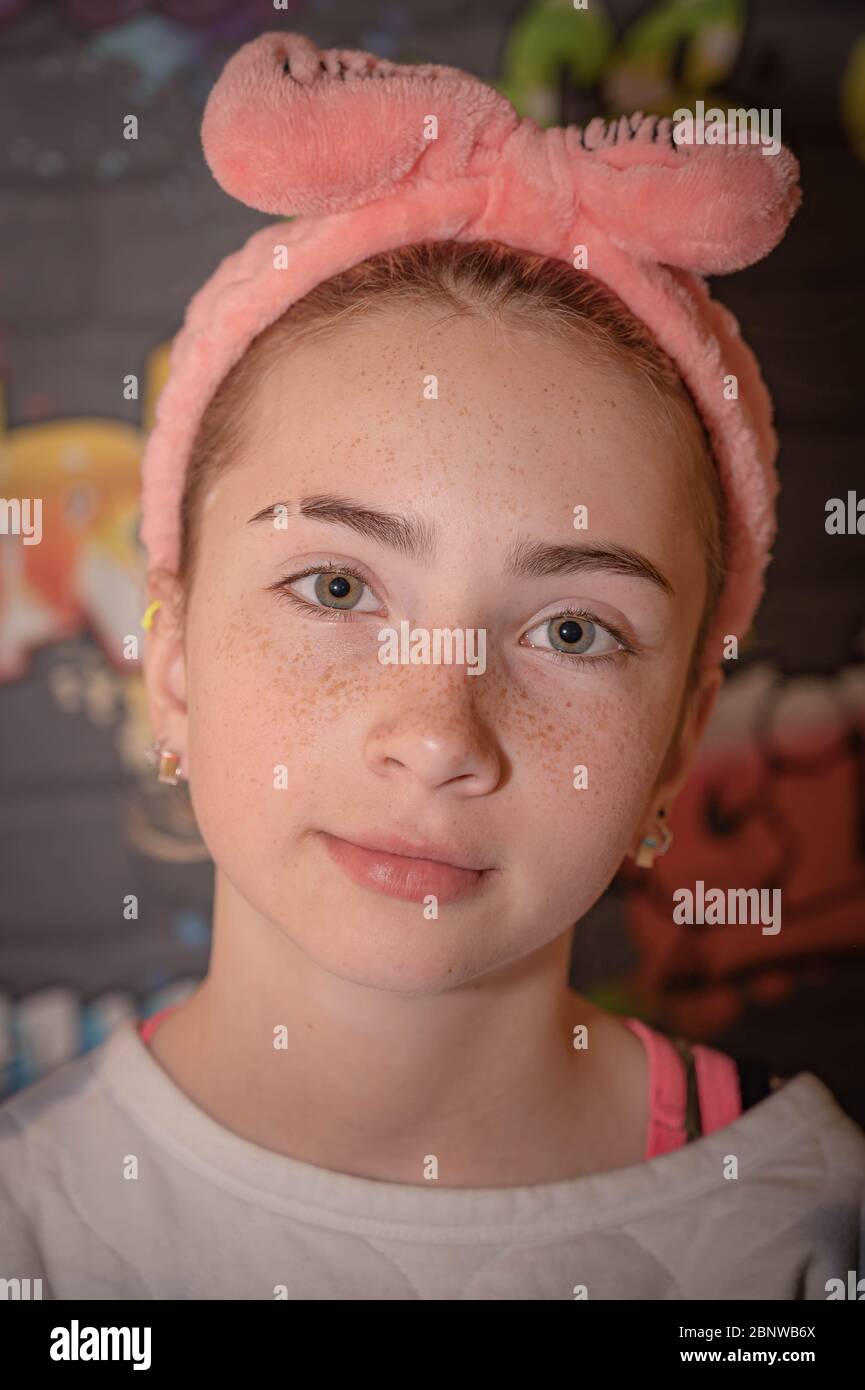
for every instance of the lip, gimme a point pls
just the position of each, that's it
(405, 869)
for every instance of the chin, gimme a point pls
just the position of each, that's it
(397, 957)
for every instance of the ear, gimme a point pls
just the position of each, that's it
(683, 747)
(164, 664)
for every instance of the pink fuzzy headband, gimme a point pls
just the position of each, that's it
(340, 138)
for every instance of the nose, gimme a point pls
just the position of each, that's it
(439, 740)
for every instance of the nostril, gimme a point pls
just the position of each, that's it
(285, 67)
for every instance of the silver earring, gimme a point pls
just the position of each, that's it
(650, 845)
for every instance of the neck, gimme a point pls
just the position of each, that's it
(373, 1081)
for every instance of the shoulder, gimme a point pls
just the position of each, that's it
(801, 1154)
(70, 1145)
(822, 1173)
(59, 1143)
(32, 1127)
(840, 1136)
(47, 1103)
(49, 1129)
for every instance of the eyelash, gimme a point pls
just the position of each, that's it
(282, 591)
(280, 588)
(626, 647)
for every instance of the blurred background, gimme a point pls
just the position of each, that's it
(105, 887)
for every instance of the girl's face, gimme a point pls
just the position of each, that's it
(480, 443)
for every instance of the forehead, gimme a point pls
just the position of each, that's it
(414, 397)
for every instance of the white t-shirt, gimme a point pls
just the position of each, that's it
(211, 1215)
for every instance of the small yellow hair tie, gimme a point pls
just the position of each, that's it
(147, 620)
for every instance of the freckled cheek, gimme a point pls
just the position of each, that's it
(256, 707)
(617, 740)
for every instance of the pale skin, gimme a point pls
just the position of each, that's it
(410, 1037)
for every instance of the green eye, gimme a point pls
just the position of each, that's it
(338, 590)
(330, 586)
(574, 634)
(577, 635)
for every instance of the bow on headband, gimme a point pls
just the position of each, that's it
(289, 128)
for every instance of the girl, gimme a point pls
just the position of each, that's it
(475, 399)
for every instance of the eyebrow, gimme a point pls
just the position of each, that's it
(410, 535)
(537, 559)
(414, 537)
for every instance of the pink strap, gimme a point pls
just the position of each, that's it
(667, 1091)
(717, 1087)
(150, 1025)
